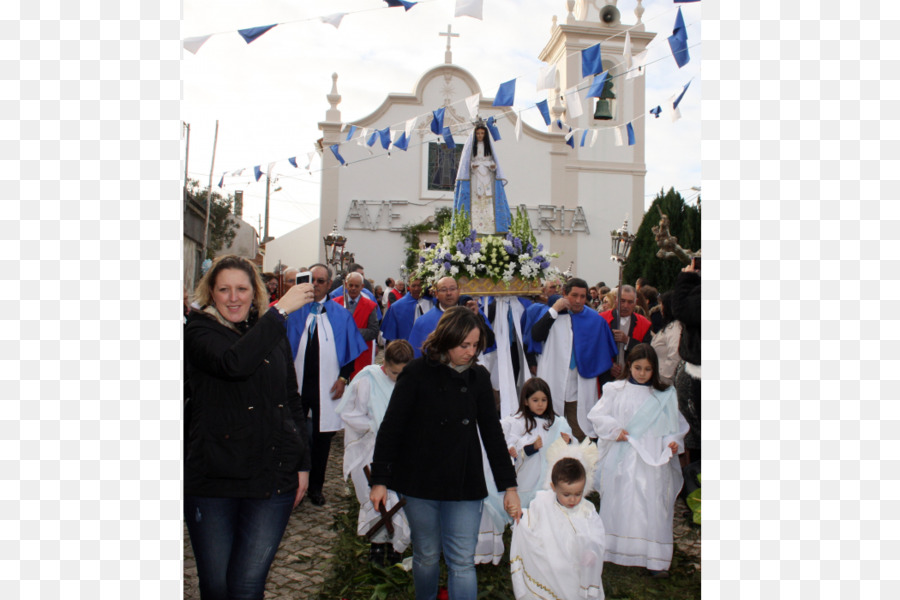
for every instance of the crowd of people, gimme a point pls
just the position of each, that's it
(487, 412)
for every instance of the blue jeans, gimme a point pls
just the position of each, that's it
(453, 526)
(234, 541)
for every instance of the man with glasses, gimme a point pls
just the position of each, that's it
(325, 342)
(447, 293)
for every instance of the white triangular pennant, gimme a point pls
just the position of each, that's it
(618, 132)
(571, 133)
(334, 19)
(637, 65)
(518, 126)
(594, 137)
(469, 8)
(547, 78)
(409, 126)
(472, 104)
(626, 53)
(573, 103)
(363, 135)
(192, 44)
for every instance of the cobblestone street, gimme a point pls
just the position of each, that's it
(302, 562)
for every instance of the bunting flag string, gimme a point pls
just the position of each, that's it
(251, 34)
(505, 97)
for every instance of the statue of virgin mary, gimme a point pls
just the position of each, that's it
(480, 183)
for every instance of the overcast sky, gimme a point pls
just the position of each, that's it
(270, 95)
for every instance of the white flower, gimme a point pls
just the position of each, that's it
(454, 270)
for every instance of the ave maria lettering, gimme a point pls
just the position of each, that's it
(380, 215)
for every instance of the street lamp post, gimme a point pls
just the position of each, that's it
(334, 248)
(621, 246)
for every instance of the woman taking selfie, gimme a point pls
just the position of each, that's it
(247, 463)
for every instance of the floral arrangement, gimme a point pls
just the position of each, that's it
(460, 253)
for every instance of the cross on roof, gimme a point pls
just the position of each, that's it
(449, 34)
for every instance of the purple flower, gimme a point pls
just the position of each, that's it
(538, 259)
(477, 246)
(529, 248)
(447, 266)
(472, 234)
(545, 264)
(421, 259)
(459, 246)
(540, 247)
(447, 256)
(518, 244)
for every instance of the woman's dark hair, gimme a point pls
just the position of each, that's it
(666, 301)
(452, 330)
(203, 292)
(532, 386)
(487, 141)
(398, 352)
(568, 470)
(640, 351)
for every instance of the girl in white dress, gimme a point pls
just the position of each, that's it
(362, 409)
(529, 432)
(639, 431)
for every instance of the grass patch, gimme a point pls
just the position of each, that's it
(355, 578)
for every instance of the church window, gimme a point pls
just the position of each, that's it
(442, 165)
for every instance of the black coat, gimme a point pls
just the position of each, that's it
(248, 434)
(686, 308)
(427, 445)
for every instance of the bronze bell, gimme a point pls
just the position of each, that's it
(606, 103)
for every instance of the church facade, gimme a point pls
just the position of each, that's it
(574, 195)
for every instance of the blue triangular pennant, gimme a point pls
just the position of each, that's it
(251, 34)
(630, 130)
(437, 123)
(293, 161)
(680, 96)
(597, 86)
(222, 181)
(655, 111)
(678, 41)
(337, 155)
(571, 140)
(448, 138)
(395, 3)
(351, 132)
(545, 111)
(385, 135)
(402, 142)
(495, 133)
(506, 94)
(583, 137)
(372, 138)
(591, 63)
(257, 171)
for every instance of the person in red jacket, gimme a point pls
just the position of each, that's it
(629, 328)
(364, 315)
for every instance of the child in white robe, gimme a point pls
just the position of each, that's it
(529, 433)
(640, 432)
(557, 547)
(362, 409)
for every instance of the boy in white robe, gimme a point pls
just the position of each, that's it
(362, 409)
(557, 547)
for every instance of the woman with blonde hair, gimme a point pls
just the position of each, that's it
(247, 461)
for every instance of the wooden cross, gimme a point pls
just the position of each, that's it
(386, 519)
(449, 34)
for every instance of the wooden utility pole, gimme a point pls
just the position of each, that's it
(212, 168)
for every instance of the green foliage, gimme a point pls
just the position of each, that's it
(521, 227)
(693, 502)
(411, 233)
(222, 222)
(684, 223)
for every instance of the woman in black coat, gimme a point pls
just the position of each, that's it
(428, 451)
(247, 463)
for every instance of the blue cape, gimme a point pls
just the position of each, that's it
(347, 340)
(339, 291)
(595, 346)
(427, 323)
(532, 315)
(398, 320)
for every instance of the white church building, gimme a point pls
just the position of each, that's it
(574, 196)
